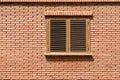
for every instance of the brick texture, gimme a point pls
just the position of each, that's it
(59, 0)
(23, 43)
(68, 13)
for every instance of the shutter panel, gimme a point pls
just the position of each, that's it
(78, 35)
(58, 35)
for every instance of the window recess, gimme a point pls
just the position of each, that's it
(68, 36)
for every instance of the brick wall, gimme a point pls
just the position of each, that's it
(23, 43)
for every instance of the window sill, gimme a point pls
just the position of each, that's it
(68, 54)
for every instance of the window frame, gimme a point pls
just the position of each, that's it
(68, 36)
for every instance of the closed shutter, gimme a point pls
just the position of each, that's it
(58, 35)
(78, 35)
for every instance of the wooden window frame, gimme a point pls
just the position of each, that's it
(87, 52)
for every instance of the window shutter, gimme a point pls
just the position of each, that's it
(78, 35)
(58, 35)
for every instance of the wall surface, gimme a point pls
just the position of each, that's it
(23, 43)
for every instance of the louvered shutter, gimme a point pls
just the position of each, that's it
(78, 35)
(58, 35)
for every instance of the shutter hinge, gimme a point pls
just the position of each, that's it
(88, 23)
(88, 48)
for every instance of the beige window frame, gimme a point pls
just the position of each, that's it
(68, 52)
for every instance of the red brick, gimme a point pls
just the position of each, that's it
(23, 42)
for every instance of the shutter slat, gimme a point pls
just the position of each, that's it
(78, 35)
(58, 35)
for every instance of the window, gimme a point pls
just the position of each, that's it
(68, 35)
